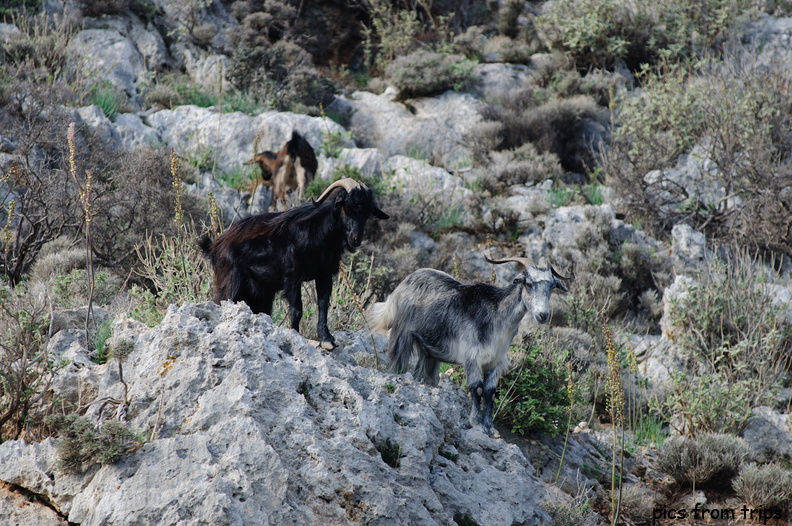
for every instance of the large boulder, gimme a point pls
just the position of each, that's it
(250, 424)
(231, 137)
(429, 128)
(110, 56)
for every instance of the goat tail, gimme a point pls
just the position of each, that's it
(205, 244)
(380, 317)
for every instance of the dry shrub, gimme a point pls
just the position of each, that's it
(39, 52)
(568, 128)
(82, 443)
(34, 187)
(764, 487)
(426, 73)
(27, 369)
(135, 198)
(96, 8)
(509, 50)
(281, 75)
(519, 166)
(735, 112)
(711, 458)
(730, 323)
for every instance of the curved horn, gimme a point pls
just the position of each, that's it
(557, 275)
(526, 262)
(347, 184)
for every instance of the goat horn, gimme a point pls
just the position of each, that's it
(526, 262)
(557, 275)
(347, 184)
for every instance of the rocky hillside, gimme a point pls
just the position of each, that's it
(643, 149)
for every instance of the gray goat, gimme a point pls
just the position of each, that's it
(438, 319)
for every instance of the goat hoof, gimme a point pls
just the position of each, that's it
(493, 433)
(326, 345)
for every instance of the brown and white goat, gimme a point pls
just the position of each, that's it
(293, 167)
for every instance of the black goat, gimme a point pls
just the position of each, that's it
(262, 254)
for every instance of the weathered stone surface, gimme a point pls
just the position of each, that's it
(769, 434)
(419, 180)
(16, 509)
(771, 37)
(430, 128)
(252, 425)
(109, 55)
(688, 247)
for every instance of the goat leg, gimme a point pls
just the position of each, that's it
(324, 288)
(490, 383)
(476, 388)
(293, 293)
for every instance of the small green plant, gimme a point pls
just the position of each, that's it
(561, 195)
(450, 455)
(389, 388)
(239, 178)
(650, 430)
(764, 487)
(100, 339)
(109, 98)
(334, 142)
(390, 451)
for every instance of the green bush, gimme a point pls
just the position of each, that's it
(710, 403)
(598, 34)
(425, 73)
(709, 459)
(532, 396)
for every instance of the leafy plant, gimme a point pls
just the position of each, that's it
(334, 142)
(532, 396)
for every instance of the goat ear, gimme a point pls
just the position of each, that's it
(340, 198)
(379, 214)
(560, 286)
